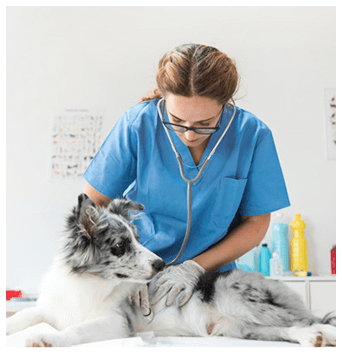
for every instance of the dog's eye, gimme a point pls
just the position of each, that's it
(118, 249)
(119, 245)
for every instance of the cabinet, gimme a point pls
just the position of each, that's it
(317, 292)
(322, 297)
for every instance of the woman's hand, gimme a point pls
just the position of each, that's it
(177, 283)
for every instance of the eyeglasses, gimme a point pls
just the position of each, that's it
(182, 128)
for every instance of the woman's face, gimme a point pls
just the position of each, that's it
(193, 112)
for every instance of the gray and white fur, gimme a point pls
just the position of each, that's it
(85, 293)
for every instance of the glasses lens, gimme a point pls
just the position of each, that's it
(175, 127)
(205, 131)
(180, 129)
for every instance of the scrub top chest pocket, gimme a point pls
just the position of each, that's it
(228, 200)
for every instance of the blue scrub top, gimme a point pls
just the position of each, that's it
(243, 177)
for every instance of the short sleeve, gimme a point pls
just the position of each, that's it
(113, 168)
(265, 190)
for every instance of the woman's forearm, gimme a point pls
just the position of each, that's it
(98, 198)
(242, 239)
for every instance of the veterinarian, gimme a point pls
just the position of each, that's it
(232, 200)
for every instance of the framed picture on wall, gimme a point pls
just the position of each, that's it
(75, 138)
(330, 122)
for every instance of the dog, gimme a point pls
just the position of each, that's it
(85, 294)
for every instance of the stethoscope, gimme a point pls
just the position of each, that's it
(190, 182)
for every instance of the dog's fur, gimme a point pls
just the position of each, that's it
(84, 294)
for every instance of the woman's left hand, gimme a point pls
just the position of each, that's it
(177, 282)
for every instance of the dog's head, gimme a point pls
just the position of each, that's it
(105, 243)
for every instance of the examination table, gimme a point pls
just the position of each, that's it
(147, 339)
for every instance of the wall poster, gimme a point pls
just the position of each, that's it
(330, 122)
(75, 138)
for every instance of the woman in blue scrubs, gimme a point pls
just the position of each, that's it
(231, 202)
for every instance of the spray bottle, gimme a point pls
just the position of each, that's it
(299, 254)
(279, 241)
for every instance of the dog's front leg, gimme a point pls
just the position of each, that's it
(100, 329)
(23, 319)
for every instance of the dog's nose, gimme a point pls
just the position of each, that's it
(158, 265)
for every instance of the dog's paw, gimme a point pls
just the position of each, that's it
(329, 334)
(47, 340)
(319, 336)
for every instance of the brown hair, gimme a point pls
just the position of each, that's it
(196, 70)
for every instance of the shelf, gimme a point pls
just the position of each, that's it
(328, 277)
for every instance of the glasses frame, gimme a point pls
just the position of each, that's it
(210, 130)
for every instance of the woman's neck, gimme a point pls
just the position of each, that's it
(198, 151)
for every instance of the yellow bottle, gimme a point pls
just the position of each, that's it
(299, 253)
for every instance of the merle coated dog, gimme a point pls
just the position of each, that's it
(85, 293)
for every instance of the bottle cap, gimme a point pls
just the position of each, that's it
(298, 223)
(264, 245)
(278, 216)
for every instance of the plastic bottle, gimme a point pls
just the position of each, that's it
(299, 253)
(276, 265)
(333, 260)
(264, 260)
(279, 240)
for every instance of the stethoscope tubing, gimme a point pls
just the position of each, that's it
(190, 181)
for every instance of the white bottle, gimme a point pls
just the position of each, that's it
(276, 265)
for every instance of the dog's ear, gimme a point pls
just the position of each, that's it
(85, 217)
(81, 249)
(82, 198)
(124, 207)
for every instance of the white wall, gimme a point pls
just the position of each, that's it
(83, 57)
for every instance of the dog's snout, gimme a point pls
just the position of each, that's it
(158, 265)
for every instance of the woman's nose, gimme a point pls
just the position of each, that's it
(190, 135)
